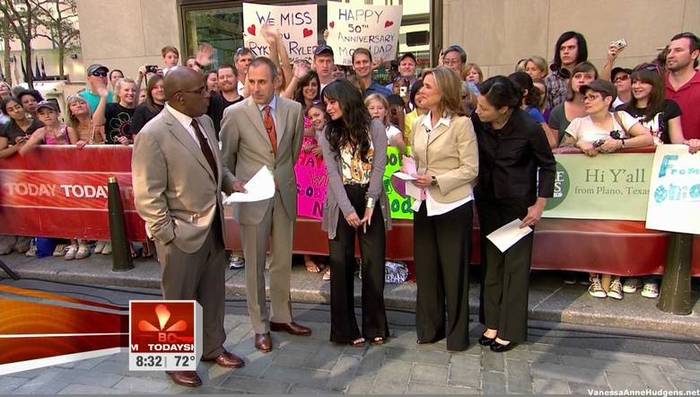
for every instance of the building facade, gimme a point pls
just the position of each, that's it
(126, 34)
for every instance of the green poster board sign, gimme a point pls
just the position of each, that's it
(608, 186)
(400, 205)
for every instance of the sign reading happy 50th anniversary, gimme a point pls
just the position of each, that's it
(356, 25)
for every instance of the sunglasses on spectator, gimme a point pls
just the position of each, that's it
(99, 73)
(622, 77)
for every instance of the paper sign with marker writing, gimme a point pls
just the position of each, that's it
(298, 25)
(356, 25)
(312, 185)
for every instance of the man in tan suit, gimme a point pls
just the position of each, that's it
(266, 130)
(177, 178)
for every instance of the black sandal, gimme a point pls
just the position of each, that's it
(379, 340)
(359, 342)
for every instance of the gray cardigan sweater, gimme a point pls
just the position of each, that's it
(336, 199)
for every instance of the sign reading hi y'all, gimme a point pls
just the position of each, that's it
(355, 25)
(297, 24)
(674, 199)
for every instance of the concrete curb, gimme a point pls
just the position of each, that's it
(549, 300)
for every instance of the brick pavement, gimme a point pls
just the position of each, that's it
(312, 365)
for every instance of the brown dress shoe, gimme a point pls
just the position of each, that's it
(291, 328)
(263, 342)
(185, 378)
(227, 359)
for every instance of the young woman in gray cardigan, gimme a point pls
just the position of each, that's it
(354, 150)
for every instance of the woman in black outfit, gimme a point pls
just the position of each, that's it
(513, 156)
(354, 151)
(154, 103)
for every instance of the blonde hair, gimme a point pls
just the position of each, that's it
(450, 86)
(118, 87)
(379, 98)
(72, 120)
(539, 62)
(468, 68)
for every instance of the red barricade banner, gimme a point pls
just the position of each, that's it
(61, 191)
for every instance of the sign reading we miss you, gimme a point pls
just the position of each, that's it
(356, 25)
(297, 24)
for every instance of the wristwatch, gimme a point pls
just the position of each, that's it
(433, 181)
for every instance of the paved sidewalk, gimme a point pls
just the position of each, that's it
(553, 361)
(550, 300)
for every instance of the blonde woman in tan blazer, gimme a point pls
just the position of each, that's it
(446, 155)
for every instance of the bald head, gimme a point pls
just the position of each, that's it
(185, 91)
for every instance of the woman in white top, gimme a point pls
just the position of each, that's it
(602, 131)
(446, 157)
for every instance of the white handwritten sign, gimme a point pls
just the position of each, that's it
(356, 25)
(674, 194)
(298, 25)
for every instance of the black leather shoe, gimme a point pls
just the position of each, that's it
(499, 348)
(486, 341)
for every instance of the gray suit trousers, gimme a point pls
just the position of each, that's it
(255, 238)
(199, 276)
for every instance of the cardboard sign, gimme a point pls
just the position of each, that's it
(356, 25)
(674, 199)
(298, 25)
(400, 205)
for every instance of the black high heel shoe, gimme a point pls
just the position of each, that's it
(500, 348)
(486, 341)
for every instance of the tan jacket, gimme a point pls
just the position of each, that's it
(450, 154)
(246, 147)
(174, 187)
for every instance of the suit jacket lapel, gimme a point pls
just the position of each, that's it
(255, 117)
(185, 139)
(281, 115)
(436, 133)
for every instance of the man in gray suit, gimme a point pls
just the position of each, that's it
(177, 178)
(266, 130)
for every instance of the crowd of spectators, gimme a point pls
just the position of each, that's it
(570, 102)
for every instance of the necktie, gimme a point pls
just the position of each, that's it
(206, 150)
(269, 123)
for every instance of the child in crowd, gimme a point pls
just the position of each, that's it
(56, 133)
(314, 123)
(378, 108)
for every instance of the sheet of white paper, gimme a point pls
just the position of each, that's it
(404, 176)
(508, 234)
(260, 187)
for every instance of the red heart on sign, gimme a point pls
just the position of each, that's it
(388, 23)
(332, 24)
(308, 32)
(251, 29)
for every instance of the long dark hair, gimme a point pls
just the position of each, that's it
(150, 102)
(531, 94)
(581, 54)
(303, 82)
(655, 103)
(353, 128)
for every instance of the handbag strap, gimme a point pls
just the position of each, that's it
(616, 115)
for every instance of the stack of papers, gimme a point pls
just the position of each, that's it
(260, 187)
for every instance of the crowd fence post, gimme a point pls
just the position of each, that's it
(121, 252)
(675, 294)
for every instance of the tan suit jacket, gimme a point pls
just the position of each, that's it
(451, 154)
(246, 147)
(174, 187)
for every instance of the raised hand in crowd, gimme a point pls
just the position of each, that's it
(614, 50)
(299, 70)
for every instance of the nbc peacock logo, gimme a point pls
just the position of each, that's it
(162, 326)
